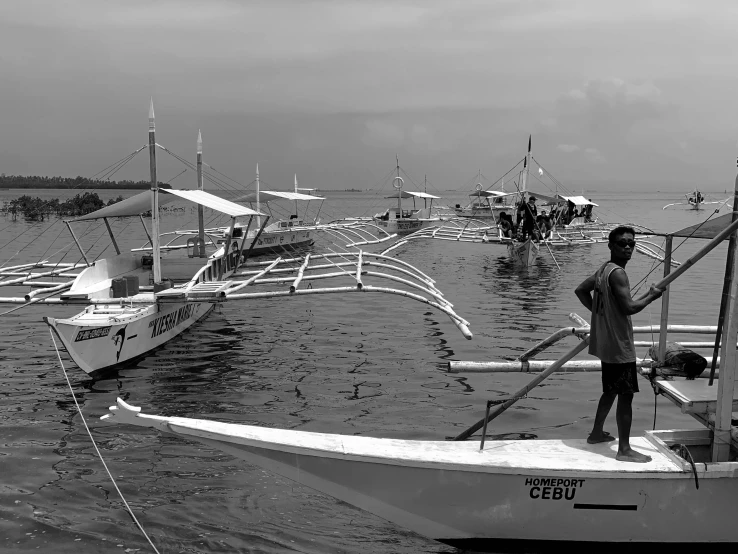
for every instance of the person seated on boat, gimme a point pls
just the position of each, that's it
(588, 212)
(506, 225)
(529, 218)
(575, 214)
(700, 198)
(546, 226)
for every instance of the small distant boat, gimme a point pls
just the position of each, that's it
(487, 204)
(282, 235)
(403, 221)
(695, 200)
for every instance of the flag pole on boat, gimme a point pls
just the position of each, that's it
(258, 204)
(200, 210)
(154, 197)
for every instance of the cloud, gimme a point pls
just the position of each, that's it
(610, 106)
(383, 134)
(594, 155)
(568, 148)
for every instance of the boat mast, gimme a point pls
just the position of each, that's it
(258, 204)
(296, 212)
(526, 167)
(154, 197)
(399, 190)
(200, 211)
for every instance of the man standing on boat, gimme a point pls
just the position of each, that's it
(611, 339)
(529, 217)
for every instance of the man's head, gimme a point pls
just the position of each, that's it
(532, 199)
(621, 243)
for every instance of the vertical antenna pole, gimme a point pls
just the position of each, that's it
(200, 210)
(258, 204)
(154, 196)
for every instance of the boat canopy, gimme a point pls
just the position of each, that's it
(141, 203)
(408, 194)
(292, 195)
(213, 202)
(546, 198)
(578, 200)
(491, 193)
(251, 196)
(705, 230)
(130, 207)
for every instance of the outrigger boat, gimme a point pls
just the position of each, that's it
(296, 232)
(694, 201)
(530, 494)
(399, 221)
(572, 222)
(487, 203)
(137, 301)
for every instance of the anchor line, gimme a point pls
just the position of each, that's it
(99, 454)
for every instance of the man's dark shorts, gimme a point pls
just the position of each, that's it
(619, 378)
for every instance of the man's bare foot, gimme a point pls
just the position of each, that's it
(604, 437)
(631, 455)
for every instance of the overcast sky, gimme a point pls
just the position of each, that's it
(624, 94)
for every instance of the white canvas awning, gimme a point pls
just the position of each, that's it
(491, 193)
(579, 200)
(292, 195)
(213, 202)
(130, 207)
(409, 194)
(251, 196)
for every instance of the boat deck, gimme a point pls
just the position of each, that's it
(506, 456)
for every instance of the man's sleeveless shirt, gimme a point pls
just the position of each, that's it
(611, 334)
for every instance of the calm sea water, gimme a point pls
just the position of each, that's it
(351, 365)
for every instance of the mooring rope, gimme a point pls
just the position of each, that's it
(79, 410)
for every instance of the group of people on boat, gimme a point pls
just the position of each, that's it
(529, 222)
(696, 198)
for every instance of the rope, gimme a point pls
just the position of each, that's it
(79, 410)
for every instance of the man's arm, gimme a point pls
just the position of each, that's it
(621, 291)
(584, 292)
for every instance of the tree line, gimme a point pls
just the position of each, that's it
(36, 209)
(40, 182)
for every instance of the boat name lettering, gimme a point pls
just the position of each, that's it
(553, 488)
(96, 333)
(167, 322)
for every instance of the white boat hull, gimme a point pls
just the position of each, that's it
(103, 337)
(404, 226)
(278, 241)
(523, 253)
(528, 491)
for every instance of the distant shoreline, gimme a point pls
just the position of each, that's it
(21, 182)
